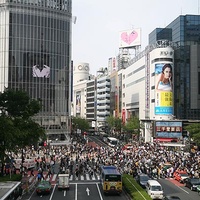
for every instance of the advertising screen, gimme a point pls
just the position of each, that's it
(78, 102)
(163, 89)
(129, 38)
(168, 129)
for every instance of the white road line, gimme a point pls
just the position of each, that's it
(54, 177)
(87, 177)
(99, 191)
(183, 189)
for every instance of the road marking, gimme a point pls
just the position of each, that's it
(52, 192)
(76, 195)
(99, 191)
(182, 189)
(88, 191)
(54, 177)
(87, 177)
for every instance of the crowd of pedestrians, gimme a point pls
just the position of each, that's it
(78, 158)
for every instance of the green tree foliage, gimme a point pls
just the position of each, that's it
(133, 125)
(17, 126)
(111, 121)
(114, 123)
(80, 123)
(194, 132)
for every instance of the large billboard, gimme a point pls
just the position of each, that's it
(78, 102)
(37, 65)
(129, 38)
(163, 89)
(168, 129)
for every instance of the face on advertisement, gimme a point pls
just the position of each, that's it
(164, 82)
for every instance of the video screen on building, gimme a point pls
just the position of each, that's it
(36, 65)
(163, 89)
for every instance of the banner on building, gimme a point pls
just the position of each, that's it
(163, 89)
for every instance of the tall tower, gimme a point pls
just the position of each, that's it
(35, 56)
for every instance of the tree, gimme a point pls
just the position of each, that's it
(17, 126)
(80, 123)
(133, 126)
(194, 132)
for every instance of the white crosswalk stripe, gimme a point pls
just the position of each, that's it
(84, 177)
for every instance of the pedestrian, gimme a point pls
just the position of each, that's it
(39, 176)
(49, 172)
(32, 172)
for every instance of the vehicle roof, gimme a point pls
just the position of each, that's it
(63, 175)
(110, 170)
(181, 172)
(153, 182)
(112, 138)
(142, 174)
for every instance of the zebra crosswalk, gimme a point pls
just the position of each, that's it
(53, 178)
(81, 177)
(85, 177)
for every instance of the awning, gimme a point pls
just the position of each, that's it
(165, 140)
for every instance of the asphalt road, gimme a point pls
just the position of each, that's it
(79, 191)
(173, 187)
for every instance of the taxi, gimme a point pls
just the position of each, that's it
(180, 175)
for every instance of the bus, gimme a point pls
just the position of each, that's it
(10, 190)
(112, 142)
(111, 180)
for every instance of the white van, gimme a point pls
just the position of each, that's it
(154, 189)
(63, 181)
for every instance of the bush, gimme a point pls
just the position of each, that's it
(13, 177)
(135, 191)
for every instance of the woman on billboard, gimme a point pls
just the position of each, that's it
(164, 81)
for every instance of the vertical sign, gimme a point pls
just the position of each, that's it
(163, 89)
(78, 102)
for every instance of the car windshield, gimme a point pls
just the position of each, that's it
(183, 175)
(144, 178)
(195, 181)
(156, 188)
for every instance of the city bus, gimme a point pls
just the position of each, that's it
(111, 180)
(112, 142)
(10, 190)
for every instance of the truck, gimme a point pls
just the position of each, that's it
(63, 181)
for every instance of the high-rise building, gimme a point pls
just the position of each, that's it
(103, 98)
(185, 32)
(35, 56)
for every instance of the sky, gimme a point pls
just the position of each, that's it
(95, 35)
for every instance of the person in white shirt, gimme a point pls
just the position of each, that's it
(41, 71)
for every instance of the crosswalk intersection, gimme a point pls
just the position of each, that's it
(73, 178)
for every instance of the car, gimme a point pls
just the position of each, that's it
(198, 189)
(192, 183)
(142, 179)
(44, 187)
(180, 175)
(171, 198)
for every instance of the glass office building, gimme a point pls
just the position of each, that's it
(185, 33)
(35, 56)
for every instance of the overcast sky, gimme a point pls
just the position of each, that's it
(95, 36)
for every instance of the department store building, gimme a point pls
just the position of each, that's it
(35, 56)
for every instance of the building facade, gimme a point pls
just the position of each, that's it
(35, 56)
(185, 32)
(102, 99)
